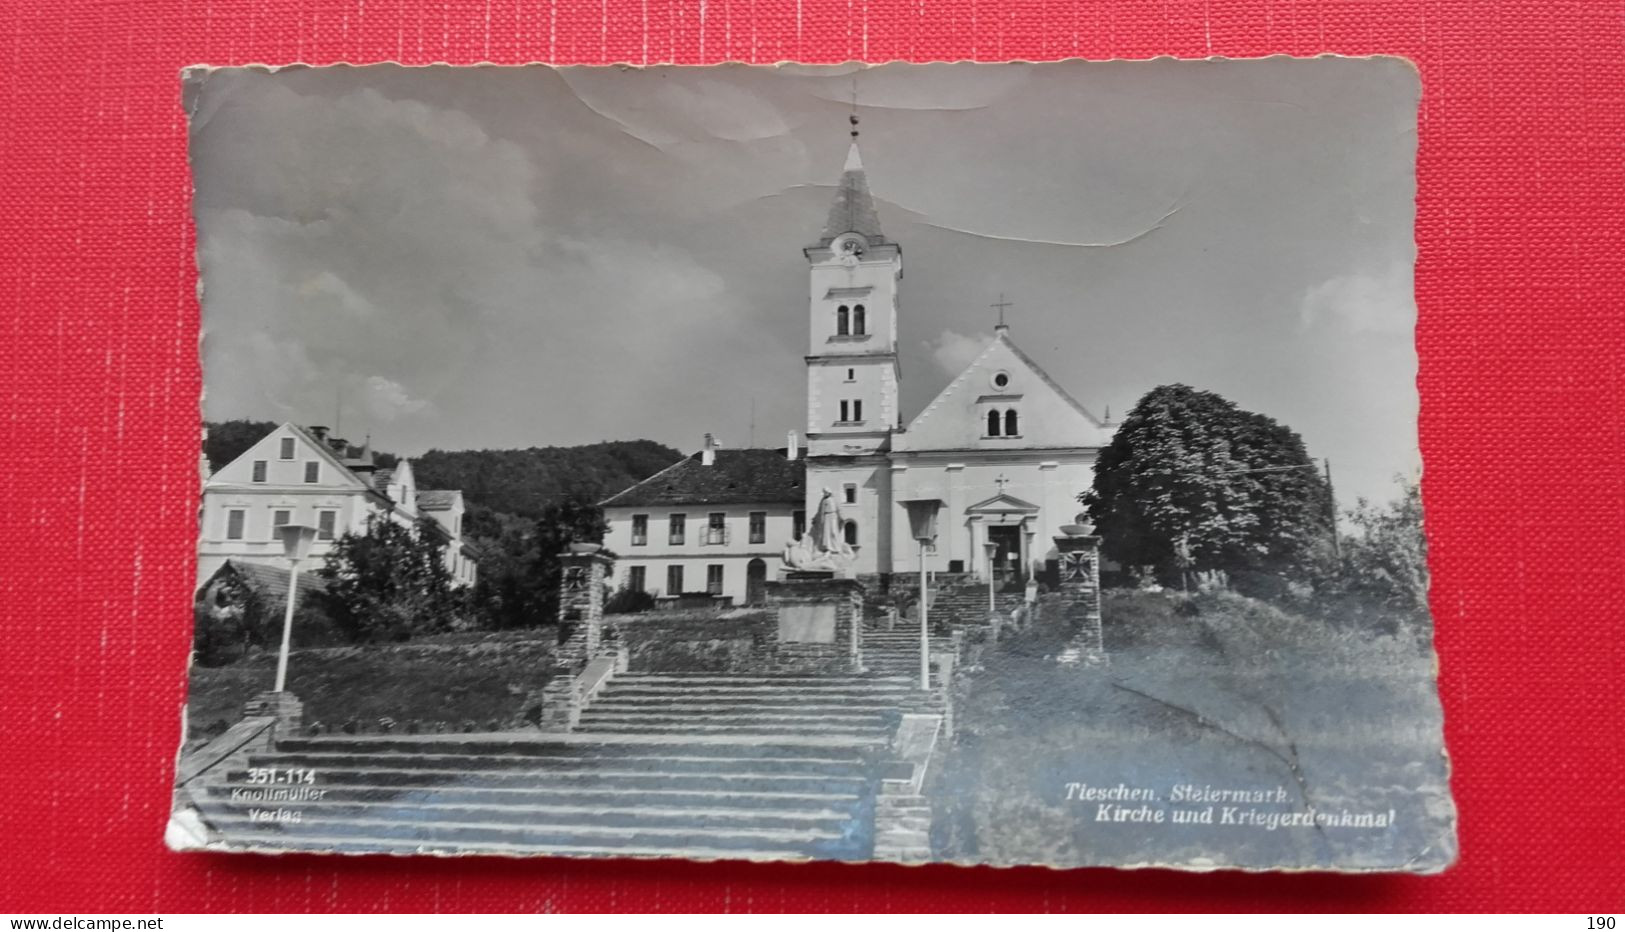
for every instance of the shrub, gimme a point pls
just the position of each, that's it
(627, 601)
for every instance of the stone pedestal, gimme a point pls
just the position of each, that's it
(581, 602)
(285, 707)
(1078, 594)
(819, 623)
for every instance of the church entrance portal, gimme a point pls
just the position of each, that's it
(1007, 558)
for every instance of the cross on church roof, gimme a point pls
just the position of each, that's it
(1001, 304)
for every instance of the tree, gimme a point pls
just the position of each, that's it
(390, 582)
(1386, 559)
(519, 575)
(231, 617)
(224, 441)
(1192, 481)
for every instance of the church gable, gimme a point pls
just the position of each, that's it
(1003, 401)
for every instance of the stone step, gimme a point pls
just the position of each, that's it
(594, 796)
(359, 844)
(785, 679)
(603, 745)
(591, 777)
(884, 686)
(544, 836)
(764, 732)
(551, 813)
(564, 760)
(723, 714)
(763, 703)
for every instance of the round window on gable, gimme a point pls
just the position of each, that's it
(1001, 380)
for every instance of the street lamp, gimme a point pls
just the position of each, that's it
(296, 540)
(922, 522)
(992, 554)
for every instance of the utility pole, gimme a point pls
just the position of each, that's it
(1331, 512)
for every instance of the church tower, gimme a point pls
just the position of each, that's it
(852, 406)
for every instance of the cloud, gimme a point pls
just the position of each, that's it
(954, 351)
(1363, 302)
(387, 399)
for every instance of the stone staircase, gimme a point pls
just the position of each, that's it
(772, 767)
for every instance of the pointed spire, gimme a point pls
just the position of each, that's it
(853, 210)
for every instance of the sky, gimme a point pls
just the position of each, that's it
(461, 258)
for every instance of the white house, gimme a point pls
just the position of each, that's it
(713, 522)
(297, 475)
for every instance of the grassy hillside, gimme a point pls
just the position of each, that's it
(451, 678)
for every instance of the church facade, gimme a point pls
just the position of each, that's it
(1004, 448)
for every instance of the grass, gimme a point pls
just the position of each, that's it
(451, 678)
(1216, 690)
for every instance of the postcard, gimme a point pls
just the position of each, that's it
(996, 464)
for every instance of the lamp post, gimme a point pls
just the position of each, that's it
(992, 554)
(296, 539)
(922, 522)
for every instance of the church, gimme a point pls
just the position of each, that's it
(1003, 447)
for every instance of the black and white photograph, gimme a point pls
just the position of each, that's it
(1007, 464)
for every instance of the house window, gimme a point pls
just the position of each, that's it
(842, 325)
(758, 527)
(846, 411)
(259, 470)
(857, 410)
(858, 322)
(851, 531)
(326, 522)
(287, 448)
(993, 423)
(716, 528)
(313, 471)
(713, 579)
(851, 490)
(1011, 426)
(851, 375)
(640, 530)
(234, 523)
(279, 517)
(637, 579)
(677, 532)
(674, 580)
(798, 523)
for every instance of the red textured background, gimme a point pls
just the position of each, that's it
(1521, 226)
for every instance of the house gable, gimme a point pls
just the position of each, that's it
(288, 473)
(1002, 380)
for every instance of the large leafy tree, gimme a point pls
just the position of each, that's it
(390, 583)
(1191, 481)
(1386, 559)
(519, 578)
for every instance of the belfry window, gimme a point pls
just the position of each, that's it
(843, 322)
(851, 533)
(1012, 427)
(993, 423)
(859, 323)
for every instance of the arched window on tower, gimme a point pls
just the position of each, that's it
(993, 423)
(1011, 426)
(859, 324)
(842, 324)
(851, 532)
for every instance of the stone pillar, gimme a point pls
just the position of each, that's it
(819, 619)
(581, 601)
(1078, 597)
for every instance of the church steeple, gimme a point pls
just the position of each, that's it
(853, 277)
(853, 210)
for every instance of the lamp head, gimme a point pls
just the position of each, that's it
(922, 518)
(296, 540)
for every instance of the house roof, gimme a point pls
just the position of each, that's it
(737, 477)
(437, 499)
(271, 580)
(853, 210)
